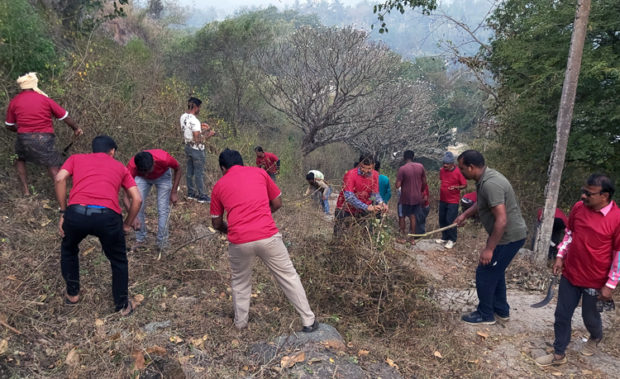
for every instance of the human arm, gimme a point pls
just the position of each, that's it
(460, 219)
(136, 201)
(219, 224)
(174, 197)
(77, 131)
(614, 271)
(210, 132)
(499, 227)
(275, 204)
(60, 187)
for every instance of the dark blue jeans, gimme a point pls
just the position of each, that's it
(491, 281)
(420, 219)
(447, 215)
(568, 299)
(107, 225)
(194, 176)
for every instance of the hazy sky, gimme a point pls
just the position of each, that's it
(230, 6)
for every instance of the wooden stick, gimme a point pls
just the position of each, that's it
(433, 231)
(9, 327)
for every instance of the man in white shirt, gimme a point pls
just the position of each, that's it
(195, 150)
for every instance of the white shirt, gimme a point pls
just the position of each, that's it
(189, 125)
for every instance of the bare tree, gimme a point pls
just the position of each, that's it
(415, 126)
(333, 84)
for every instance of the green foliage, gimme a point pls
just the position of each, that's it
(401, 5)
(528, 60)
(24, 45)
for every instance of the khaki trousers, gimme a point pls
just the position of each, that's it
(274, 255)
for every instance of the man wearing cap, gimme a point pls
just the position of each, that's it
(318, 188)
(249, 197)
(267, 161)
(589, 261)
(30, 115)
(452, 182)
(155, 168)
(93, 209)
(499, 213)
(195, 150)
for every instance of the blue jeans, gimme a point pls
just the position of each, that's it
(491, 281)
(195, 171)
(163, 184)
(323, 203)
(447, 215)
(568, 299)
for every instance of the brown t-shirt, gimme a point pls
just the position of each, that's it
(412, 178)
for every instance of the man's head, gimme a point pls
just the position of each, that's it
(408, 155)
(471, 164)
(193, 105)
(448, 161)
(377, 166)
(366, 164)
(229, 158)
(104, 144)
(310, 177)
(144, 163)
(259, 151)
(597, 192)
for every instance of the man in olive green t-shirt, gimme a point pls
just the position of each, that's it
(500, 215)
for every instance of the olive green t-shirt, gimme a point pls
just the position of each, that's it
(494, 189)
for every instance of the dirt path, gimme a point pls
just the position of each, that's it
(508, 348)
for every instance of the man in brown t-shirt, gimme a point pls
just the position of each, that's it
(411, 180)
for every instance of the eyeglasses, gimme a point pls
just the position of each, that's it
(588, 193)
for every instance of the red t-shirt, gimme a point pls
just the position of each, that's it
(32, 112)
(97, 178)
(595, 243)
(268, 162)
(162, 161)
(361, 186)
(558, 214)
(412, 178)
(244, 193)
(450, 179)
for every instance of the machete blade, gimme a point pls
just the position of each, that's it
(549, 296)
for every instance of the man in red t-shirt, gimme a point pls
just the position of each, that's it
(411, 179)
(267, 161)
(359, 194)
(30, 115)
(249, 197)
(154, 168)
(588, 259)
(94, 210)
(452, 182)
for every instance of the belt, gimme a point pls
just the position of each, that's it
(88, 210)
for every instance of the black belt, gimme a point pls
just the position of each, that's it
(87, 211)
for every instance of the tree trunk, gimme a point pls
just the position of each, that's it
(565, 115)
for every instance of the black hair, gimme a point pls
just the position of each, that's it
(310, 176)
(377, 165)
(408, 155)
(366, 159)
(193, 101)
(103, 144)
(472, 158)
(259, 149)
(603, 181)
(229, 158)
(144, 161)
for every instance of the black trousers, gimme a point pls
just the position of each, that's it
(568, 299)
(107, 225)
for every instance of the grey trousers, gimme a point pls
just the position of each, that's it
(274, 255)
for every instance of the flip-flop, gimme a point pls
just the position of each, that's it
(69, 302)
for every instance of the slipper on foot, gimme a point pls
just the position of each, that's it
(128, 310)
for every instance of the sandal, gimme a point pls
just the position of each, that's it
(128, 310)
(69, 302)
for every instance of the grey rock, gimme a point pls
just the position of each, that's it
(153, 326)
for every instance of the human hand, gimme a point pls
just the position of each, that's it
(558, 266)
(174, 198)
(60, 222)
(460, 220)
(371, 208)
(78, 132)
(605, 293)
(485, 256)
(128, 228)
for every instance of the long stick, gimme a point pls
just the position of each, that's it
(433, 231)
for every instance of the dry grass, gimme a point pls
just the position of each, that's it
(376, 302)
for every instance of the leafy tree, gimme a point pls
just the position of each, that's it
(24, 44)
